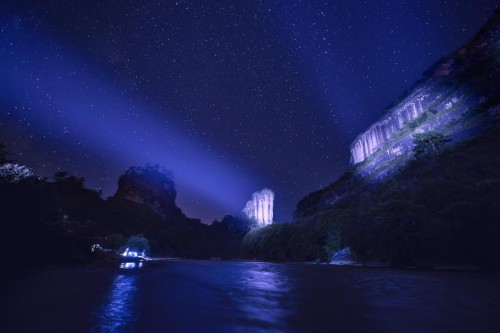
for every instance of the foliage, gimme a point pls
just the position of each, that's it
(305, 241)
(439, 210)
(46, 222)
(31, 233)
(435, 211)
(310, 203)
(153, 172)
(63, 177)
(3, 155)
(137, 243)
(114, 241)
(335, 239)
(428, 144)
(14, 173)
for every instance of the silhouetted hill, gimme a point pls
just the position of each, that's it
(45, 222)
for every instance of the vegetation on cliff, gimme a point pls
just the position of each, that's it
(438, 209)
(457, 97)
(417, 193)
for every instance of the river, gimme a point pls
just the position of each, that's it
(208, 296)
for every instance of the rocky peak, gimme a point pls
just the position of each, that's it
(152, 186)
(458, 96)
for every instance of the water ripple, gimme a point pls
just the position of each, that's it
(117, 314)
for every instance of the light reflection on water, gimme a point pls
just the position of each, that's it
(117, 314)
(198, 296)
(261, 304)
(130, 265)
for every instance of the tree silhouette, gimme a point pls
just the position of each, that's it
(3, 155)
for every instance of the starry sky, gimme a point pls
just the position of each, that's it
(232, 96)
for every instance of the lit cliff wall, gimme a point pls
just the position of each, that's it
(458, 97)
(383, 130)
(260, 208)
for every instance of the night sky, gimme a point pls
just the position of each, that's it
(232, 96)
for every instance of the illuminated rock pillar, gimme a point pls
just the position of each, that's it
(260, 208)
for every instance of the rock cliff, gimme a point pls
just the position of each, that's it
(150, 186)
(260, 208)
(458, 96)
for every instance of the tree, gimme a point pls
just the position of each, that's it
(428, 144)
(14, 173)
(334, 241)
(3, 155)
(114, 241)
(137, 243)
(63, 177)
(389, 231)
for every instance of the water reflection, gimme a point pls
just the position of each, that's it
(197, 296)
(117, 313)
(130, 265)
(263, 303)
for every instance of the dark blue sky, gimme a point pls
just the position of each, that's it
(233, 96)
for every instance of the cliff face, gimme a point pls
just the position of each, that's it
(149, 186)
(260, 208)
(457, 97)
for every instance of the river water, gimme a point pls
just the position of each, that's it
(204, 296)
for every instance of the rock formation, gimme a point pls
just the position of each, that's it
(457, 97)
(151, 186)
(383, 130)
(344, 257)
(260, 208)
